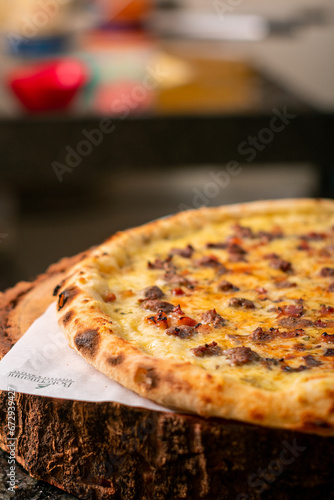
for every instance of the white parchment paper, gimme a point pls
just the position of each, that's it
(42, 363)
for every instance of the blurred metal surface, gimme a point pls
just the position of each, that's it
(173, 22)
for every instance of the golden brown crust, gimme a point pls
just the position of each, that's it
(306, 405)
(21, 305)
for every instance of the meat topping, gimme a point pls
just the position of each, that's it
(271, 256)
(209, 261)
(183, 252)
(269, 236)
(281, 264)
(241, 355)
(311, 361)
(243, 231)
(326, 337)
(240, 302)
(226, 286)
(303, 245)
(319, 323)
(313, 236)
(329, 352)
(260, 335)
(299, 346)
(291, 311)
(160, 320)
(205, 350)
(292, 322)
(213, 318)
(291, 334)
(324, 252)
(327, 272)
(178, 310)
(269, 362)
(236, 252)
(160, 264)
(186, 320)
(152, 292)
(326, 310)
(219, 245)
(221, 270)
(235, 248)
(285, 284)
(183, 332)
(175, 279)
(158, 305)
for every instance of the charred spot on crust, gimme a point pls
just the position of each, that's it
(147, 377)
(87, 342)
(115, 360)
(316, 424)
(68, 316)
(256, 414)
(57, 288)
(67, 296)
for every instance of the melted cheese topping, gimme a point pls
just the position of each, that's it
(279, 356)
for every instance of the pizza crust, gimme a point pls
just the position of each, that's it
(306, 405)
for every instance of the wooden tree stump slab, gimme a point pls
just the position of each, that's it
(111, 451)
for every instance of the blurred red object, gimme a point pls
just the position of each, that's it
(125, 11)
(48, 86)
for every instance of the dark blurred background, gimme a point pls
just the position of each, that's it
(115, 112)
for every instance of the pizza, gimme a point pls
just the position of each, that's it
(224, 312)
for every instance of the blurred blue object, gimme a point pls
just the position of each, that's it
(38, 46)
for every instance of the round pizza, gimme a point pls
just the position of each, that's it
(226, 312)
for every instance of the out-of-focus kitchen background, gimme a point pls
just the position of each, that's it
(115, 112)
